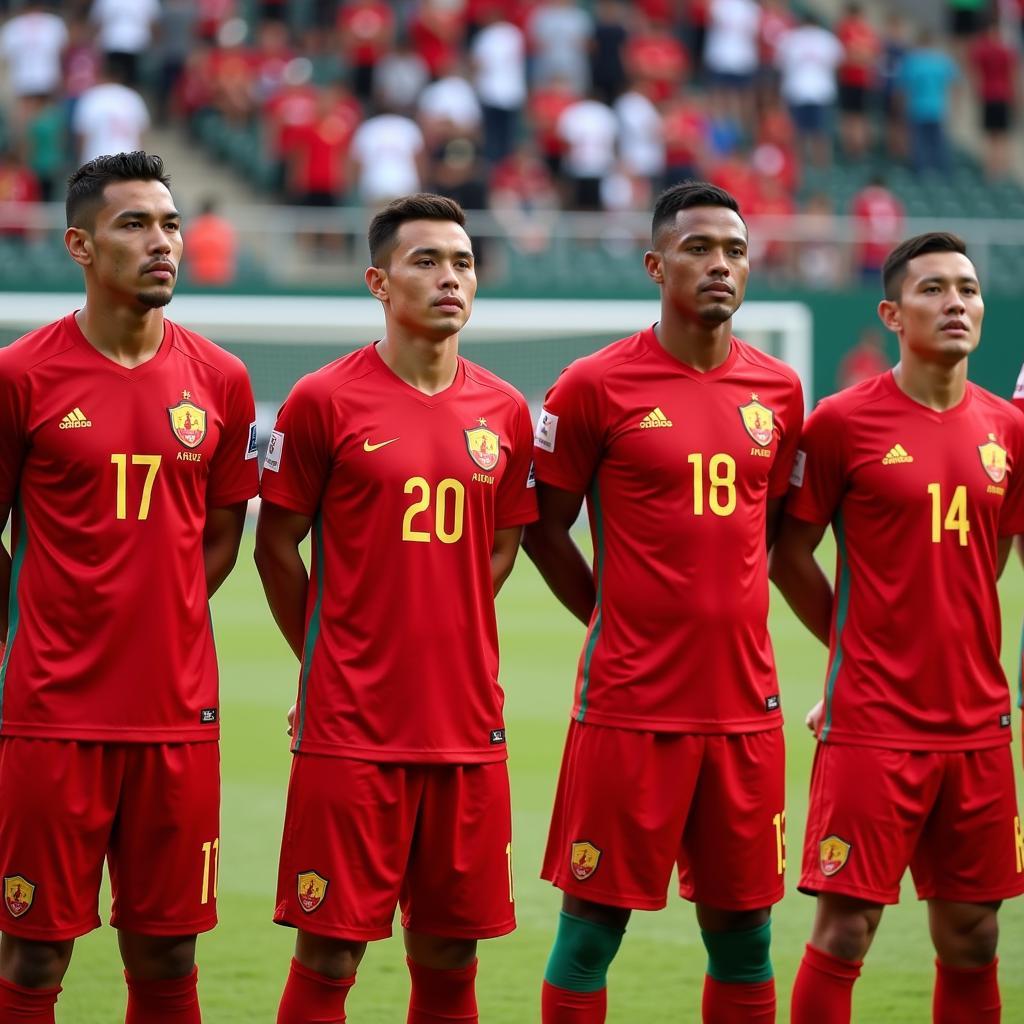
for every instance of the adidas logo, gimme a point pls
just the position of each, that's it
(74, 419)
(655, 418)
(896, 454)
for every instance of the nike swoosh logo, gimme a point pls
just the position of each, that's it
(367, 447)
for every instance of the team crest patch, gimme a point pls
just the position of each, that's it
(188, 422)
(484, 446)
(834, 854)
(584, 859)
(18, 894)
(759, 421)
(311, 890)
(993, 459)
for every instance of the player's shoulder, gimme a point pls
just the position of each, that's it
(858, 399)
(37, 346)
(764, 363)
(321, 384)
(996, 405)
(596, 367)
(195, 346)
(481, 377)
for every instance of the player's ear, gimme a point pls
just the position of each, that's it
(376, 279)
(79, 245)
(652, 264)
(889, 314)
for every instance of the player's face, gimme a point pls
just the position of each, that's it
(136, 244)
(701, 263)
(940, 309)
(430, 280)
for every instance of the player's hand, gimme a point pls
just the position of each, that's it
(812, 721)
(291, 719)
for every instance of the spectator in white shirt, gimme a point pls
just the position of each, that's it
(590, 131)
(449, 109)
(125, 30)
(110, 117)
(641, 135)
(731, 57)
(31, 44)
(499, 61)
(560, 32)
(386, 159)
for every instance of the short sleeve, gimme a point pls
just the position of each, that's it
(818, 478)
(568, 440)
(13, 412)
(1011, 519)
(789, 439)
(516, 500)
(234, 475)
(299, 456)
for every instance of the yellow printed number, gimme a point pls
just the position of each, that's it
(1018, 837)
(511, 884)
(152, 464)
(956, 515)
(211, 868)
(449, 499)
(721, 484)
(779, 821)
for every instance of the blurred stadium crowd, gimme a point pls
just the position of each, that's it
(525, 107)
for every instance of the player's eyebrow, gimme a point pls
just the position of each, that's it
(426, 250)
(147, 215)
(698, 237)
(939, 279)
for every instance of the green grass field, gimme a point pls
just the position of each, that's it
(656, 977)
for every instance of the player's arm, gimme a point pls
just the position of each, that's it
(1003, 549)
(503, 554)
(551, 548)
(221, 537)
(772, 520)
(796, 572)
(279, 532)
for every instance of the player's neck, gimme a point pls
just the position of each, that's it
(126, 336)
(700, 346)
(423, 363)
(932, 385)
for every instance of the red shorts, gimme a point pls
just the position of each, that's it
(951, 817)
(361, 837)
(631, 804)
(152, 809)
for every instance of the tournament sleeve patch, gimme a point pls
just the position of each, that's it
(252, 449)
(796, 478)
(274, 451)
(547, 427)
(1018, 391)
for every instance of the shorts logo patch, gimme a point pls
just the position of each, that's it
(584, 859)
(312, 889)
(771, 703)
(484, 445)
(1004, 721)
(207, 716)
(188, 422)
(834, 854)
(497, 735)
(18, 894)
(993, 459)
(758, 420)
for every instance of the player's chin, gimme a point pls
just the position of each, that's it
(155, 298)
(717, 312)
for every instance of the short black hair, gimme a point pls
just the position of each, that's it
(384, 227)
(684, 196)
(894, 270)
(86, 185)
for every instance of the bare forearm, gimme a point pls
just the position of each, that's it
(286, 584)
(563, 567)
(806, 590)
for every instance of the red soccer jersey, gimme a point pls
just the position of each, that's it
(406, 491)
(677, 467)
(917, 500)
(110, 472)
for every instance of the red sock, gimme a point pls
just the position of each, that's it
(728, 1003)
(970, 993)
(442, 996)
(27, 1005)
(823, 990)
(313, 998)
(562, 1006)
(163, 1001)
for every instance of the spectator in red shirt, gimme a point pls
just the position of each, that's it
(685, 128)
(993, 66)
(366, 31)
(879, 216)
(288, 112)
(546, 104)
(319, 150)
(865, 360)
(856, 78)
(437, 30)
(770, 252)
(654, 55)
(212, 248)
(521, 196)
(18, 189)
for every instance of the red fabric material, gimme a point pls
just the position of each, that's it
(561, 1006)
(312, 998)
(966, 994)
(442, 997)
(163, 1001)
(26, 1005)
(727, 1003)
(823, 989)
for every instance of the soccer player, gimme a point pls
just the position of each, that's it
(129, 455)
(411, 466)
(920, 474)
(681, 438)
